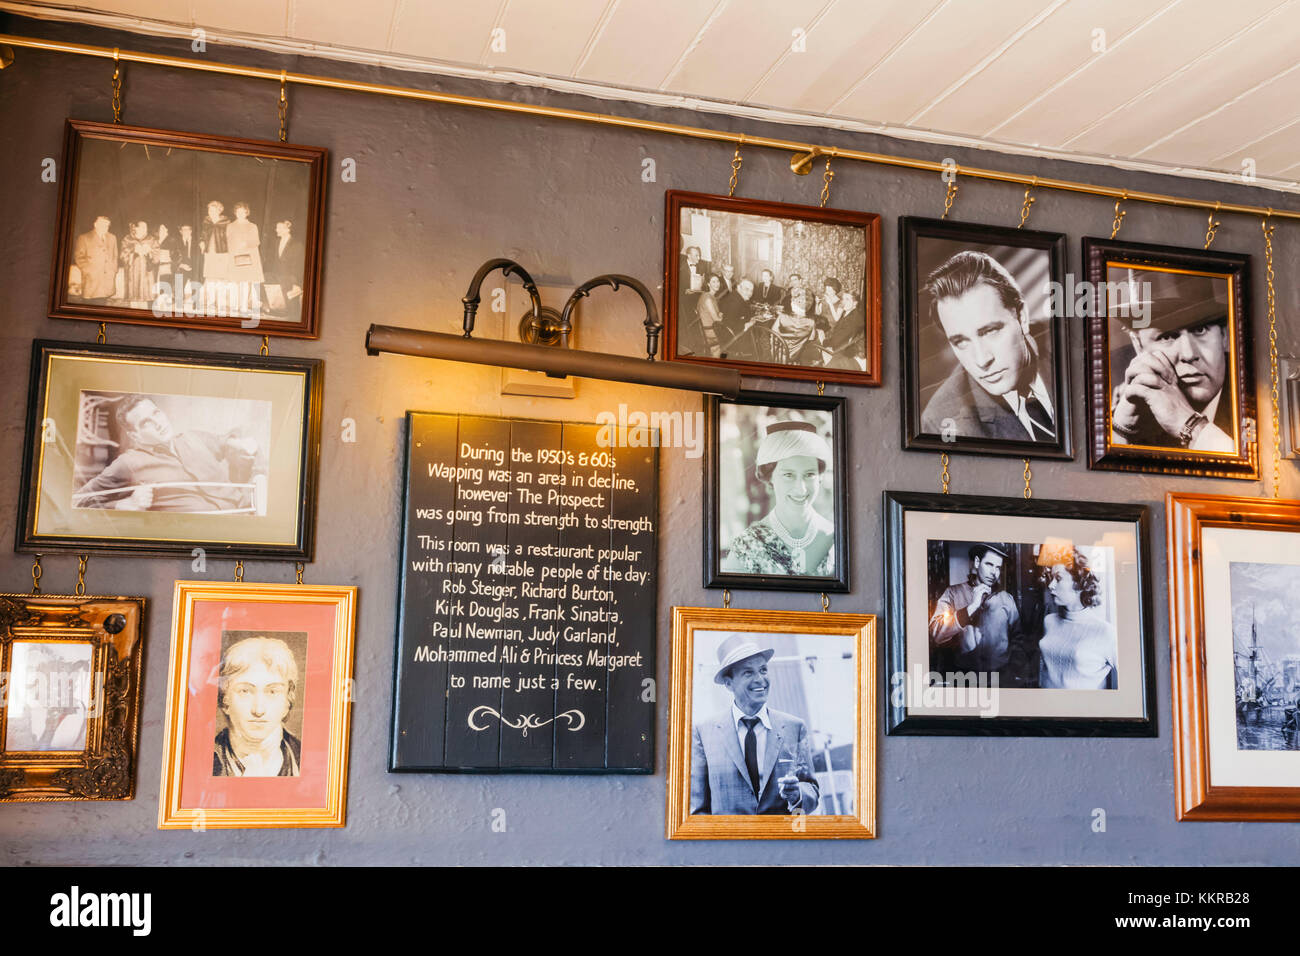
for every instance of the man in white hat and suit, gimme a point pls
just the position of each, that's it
(750, 759)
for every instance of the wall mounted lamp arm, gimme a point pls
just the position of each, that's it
(508, 268)
(652, 324)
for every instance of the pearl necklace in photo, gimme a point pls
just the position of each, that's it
(795, 544)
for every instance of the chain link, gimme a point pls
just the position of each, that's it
(266, 346)
(726, 598)
(950, 196)
(827, 176)
(284, 109)
(117, 88)
(1272, 355)
(1211, 226)
(826, 602)
(239, 572)
(1028, 492)
(37, 571)
(102, 337)
(299, 567)
(736, 163)
(1029, 201)
(82, 559)
(1119, 215)
(821, 388)
(944, 478)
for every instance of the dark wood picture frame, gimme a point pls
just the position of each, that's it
(311, 234)
(869, 295)
(105, 768)
(898, 721)
(714, 576)
(1103, 454)
(911, 230)
(1186, 516)
(42, 430)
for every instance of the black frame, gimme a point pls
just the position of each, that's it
(1102, 455)
(312, 236)
(912, 228)
(26, 539)
(714, 576)
(896, 505)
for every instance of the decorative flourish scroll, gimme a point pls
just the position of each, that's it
(526, 722)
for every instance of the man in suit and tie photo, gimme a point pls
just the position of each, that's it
(751, 759)
(998, 388)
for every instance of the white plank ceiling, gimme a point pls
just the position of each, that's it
(1205, 87)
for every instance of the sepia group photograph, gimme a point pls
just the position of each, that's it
(190, 230)
(773, 289)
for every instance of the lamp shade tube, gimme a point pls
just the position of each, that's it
(552, 360)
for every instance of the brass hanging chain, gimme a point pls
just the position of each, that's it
(1029, 201)
(266, 346)
(37, 571)
(117, 88)
(1119, 215)
(284, 108)
(944, 478)
(821, 388)
(102, 337)
(299, 567)
(726, 598)
(1211, 226)
(1028, 492)
(827, 176)
(950, 196)
(736, 163)
(239, 572)
(826, 602)
(82, 560)
(1272, 355)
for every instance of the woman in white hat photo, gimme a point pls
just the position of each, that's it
(792, 537)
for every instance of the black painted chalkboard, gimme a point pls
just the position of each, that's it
(526, 631)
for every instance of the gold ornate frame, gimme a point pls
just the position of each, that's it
(171, 814)
(681, 825)
(105, 768)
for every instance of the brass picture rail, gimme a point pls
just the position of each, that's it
(802, 152)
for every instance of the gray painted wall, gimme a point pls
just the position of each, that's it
(439, 190)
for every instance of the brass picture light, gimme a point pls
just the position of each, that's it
(558, 359)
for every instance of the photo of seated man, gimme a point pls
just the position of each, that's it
(176, 453)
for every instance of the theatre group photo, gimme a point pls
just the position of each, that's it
(180, 232)
(771, 290)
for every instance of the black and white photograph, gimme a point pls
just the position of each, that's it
(1266, 652)
(179, 453)
(260, 704)
(1167, 348)
(189, 230)
(1015, 616)
(984, 355)
(1036, 614)
(776, 515)
(49, 696)
(163, 451)
(791, 290)
(774, 723)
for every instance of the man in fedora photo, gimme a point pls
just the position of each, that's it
(751, 759)
(1171, 386)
